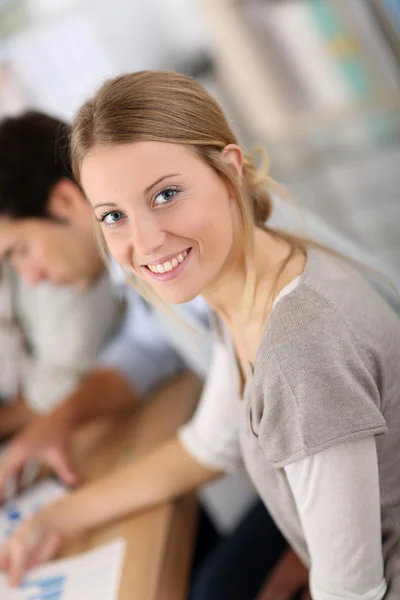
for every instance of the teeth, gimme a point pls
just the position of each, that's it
(182, 256)
(169, 265)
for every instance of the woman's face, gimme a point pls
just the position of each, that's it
(165, 214)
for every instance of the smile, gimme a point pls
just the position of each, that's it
(170, 268)
(169, 265)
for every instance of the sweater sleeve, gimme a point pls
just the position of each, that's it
(337, 498)
(313, 387)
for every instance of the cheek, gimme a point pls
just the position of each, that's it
(45, 256)
(204, 216)
(119, 246)
(214, 229)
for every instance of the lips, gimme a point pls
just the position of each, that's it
(168, 265)
(166, 270)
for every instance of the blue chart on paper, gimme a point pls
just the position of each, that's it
(13, 519)
(27, 504)
(51, 588)
(93, 575)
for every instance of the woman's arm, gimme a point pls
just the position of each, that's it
(209, 446)
(165, 473)
(337, 496)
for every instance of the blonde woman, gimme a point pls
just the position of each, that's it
(305, 382)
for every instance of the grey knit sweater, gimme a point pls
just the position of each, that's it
(327, 371)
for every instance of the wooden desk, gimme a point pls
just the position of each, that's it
(159, 540)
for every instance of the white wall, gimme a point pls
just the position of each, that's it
(73, 45)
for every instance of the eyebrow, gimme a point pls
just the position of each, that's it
(146, 190)
(104, 204)
(159, 181)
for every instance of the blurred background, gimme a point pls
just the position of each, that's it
(314, 81)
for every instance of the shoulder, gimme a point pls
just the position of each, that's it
(312, 386)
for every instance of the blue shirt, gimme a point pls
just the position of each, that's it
(151, 345)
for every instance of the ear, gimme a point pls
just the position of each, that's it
(233, 156)
(66, 201)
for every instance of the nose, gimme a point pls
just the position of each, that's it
(147, 233)
(32, 275)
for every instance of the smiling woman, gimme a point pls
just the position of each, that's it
(167, 213)
(187, 212)
(162, 225)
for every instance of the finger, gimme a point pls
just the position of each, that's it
(4, 555)
(17, 559)
(29, 473)
(48, 549)
(10, 488)
(58, 461)
(10, 467)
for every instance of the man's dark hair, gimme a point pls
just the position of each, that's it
(34, 156)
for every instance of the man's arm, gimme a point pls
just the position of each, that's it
(66, 330)
(133, 362)
(14, 416)
(101, 392)
(47, 437)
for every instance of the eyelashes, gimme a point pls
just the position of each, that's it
(172, 190)
(112, 214)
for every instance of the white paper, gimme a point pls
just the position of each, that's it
(94, 575)
(27, 504)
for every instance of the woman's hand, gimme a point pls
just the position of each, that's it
(35, 541)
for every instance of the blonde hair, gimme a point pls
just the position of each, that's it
(168, 107)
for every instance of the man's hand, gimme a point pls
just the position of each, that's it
(14, 417)
(45, 439)
(287, 578)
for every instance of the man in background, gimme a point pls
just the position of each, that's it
(62, 300)
(57, 306)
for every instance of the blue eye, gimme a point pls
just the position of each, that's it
(112, 218)
(165, 195)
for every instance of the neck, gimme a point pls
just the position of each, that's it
(227, 295)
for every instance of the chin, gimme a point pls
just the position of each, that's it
(178, 296)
